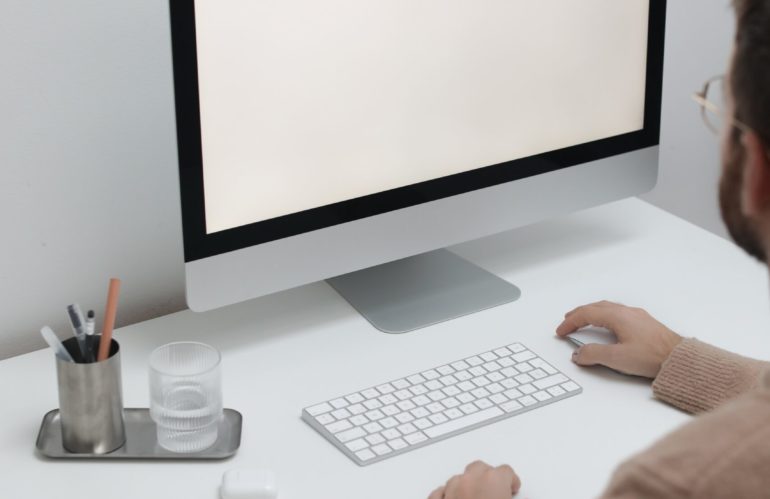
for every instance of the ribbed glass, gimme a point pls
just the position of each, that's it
(186, 395)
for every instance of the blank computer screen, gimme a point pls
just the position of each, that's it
(306, 103)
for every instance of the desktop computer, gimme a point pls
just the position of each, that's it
(352, 141)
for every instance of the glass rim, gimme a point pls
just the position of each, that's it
(215, 365)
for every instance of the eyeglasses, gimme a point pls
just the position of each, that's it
(713, 114)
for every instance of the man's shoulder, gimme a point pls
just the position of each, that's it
(718, 454)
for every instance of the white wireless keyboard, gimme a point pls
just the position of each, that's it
(396, 417)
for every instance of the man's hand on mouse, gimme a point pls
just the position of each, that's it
(643, 342)
(480, 481)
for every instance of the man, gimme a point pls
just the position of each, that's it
(726, 451)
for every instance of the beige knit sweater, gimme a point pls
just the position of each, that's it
(722, 453)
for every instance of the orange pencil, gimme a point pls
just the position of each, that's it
(109, 319)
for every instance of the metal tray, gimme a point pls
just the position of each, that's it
(141, 439)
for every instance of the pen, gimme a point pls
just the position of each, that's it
(90, 323)
(55, 343)
(78, 327)
(109, 319)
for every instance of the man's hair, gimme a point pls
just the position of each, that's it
(750, 75)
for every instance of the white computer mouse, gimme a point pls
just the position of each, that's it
(245, 483)
(592, 334)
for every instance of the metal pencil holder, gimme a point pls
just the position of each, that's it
(91, 402)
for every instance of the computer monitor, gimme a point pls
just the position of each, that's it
(348, 140)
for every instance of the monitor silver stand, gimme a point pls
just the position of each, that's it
(422, 290)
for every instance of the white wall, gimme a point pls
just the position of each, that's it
(87, 151)
(698, 43)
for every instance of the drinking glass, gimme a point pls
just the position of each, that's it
(186, 395)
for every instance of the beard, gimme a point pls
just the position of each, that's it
(742, 229)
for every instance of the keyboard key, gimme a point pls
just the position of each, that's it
(527, 389)
(538, 374)
(523, 378)
(423, 423)
(448, 380)
(527, 400)
(438, 419)
(421, 400)
(477, 371)
(370, 393)
(491, 366)
(319, 409)
(463, 375)
(434, 384)
(406, 405)
(339, 403)
(391, 434)
(338, 426)
(467, 420)
(513, 394)
(465, 397)
(388, 422)
(397, 444)
(390, 410)
(509, 383)
(404, 417)
(430, 374)
(400, 384)
(480, 393)
(358, 420)
(522, 356)
(488, 356)
(450, 402)
(325, 419)
(495, 388)
(570, 386)
(382, 449)
(365, 455)
(350, 434)
(451, 391)
(420, 412)
(357, 445)
(445, 370)
(386, 388)
(416, 379)
(550, 381)
(495, 376)
(483, 403)
(511, 406)
(375, 439)
(418, 389)
(436, 395)
(357, 409)
(542, 396)
(453, 413)
(556, 391)
(474, 361)
(502, 352)
(469, 408)
(407, 428)
(498, 398)
(460, 365)
(505, 362)
(388, 399)
(373, 427)
(415, 438)
(371, 404)
(509, 372)
(403, 394)
(481, 381)
(355, 398)
(466, 386)
(341, 414)
(435, 407)
(375, 415)
(524, 367)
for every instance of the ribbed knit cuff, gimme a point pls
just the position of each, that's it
(698, 377)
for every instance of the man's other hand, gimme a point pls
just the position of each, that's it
(480, 481)
(643, 342)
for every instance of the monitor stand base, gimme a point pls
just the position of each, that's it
(422, 290)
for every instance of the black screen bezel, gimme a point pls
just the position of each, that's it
(198, 244)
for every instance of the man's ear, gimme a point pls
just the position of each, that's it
(755, 192)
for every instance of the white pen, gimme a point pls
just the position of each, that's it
(78, 327)
(55, 343)
(90, 323)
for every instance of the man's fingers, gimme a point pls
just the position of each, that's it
(592, 354)
(437, 494)
(596, 314)
(477, 467)
(509, 476)
(451, 488)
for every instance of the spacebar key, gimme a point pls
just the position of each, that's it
(463, 422)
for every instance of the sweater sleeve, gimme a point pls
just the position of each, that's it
(698, 377)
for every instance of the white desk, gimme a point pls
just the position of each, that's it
(296, 348)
